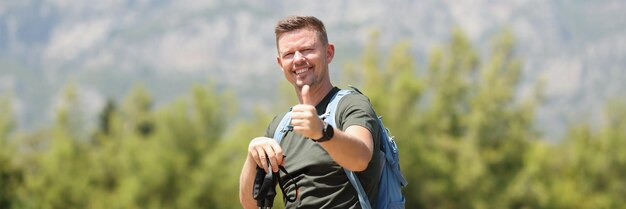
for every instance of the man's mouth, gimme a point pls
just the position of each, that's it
(301, 71)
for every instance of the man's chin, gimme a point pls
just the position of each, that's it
(300, 84)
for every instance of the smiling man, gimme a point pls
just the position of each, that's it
(313, 152)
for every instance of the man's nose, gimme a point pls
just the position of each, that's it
(298, 57)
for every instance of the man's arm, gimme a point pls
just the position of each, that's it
(352, 149)
(246, 182)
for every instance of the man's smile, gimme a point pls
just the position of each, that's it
(302, 71)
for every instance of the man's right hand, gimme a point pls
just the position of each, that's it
(261, 149)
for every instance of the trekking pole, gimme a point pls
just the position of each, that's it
(264, 189)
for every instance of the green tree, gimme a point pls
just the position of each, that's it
(163, 167)
(10, 175)
(56, 178)
(193, 129)
(463, 136)
(588, 175)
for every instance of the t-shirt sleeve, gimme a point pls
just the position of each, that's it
(355, 109)
(269, 132)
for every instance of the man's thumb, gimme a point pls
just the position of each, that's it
(305, 95)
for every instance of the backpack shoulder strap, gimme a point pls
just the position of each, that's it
(329, 117)
(331, 108)
(283, 127)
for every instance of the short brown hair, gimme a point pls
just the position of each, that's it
(292, 23)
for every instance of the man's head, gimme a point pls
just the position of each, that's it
(303, 51)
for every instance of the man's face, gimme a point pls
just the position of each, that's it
(303, 57)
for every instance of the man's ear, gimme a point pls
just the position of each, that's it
(330, 53)
(279, 62)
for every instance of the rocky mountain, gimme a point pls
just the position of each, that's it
(106, 47)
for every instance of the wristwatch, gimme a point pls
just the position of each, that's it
(327, 133)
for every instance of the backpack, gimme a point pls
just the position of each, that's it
(391, 179)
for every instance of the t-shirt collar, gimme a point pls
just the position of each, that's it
(321, 107)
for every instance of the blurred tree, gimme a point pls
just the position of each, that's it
(7, 120)
(10, 175)
(138, 157)
(106, 117)
(462, 135)
(136, 111)
(163, 167)
(192, 129)
(589, 172)
(58, 180)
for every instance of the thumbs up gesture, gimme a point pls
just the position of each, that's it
(304, 117)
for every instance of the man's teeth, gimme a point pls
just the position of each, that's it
(302, 71)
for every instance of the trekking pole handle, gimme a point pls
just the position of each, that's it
(264, 189)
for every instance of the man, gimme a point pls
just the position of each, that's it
(313, 155)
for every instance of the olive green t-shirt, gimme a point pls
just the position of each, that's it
(320, 181)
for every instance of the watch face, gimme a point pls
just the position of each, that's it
(327, 133)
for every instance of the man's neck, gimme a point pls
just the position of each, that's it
(316, 93)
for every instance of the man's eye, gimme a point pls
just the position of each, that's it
(288, 56)
(306, 51)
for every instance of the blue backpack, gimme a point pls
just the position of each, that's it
(391, 180)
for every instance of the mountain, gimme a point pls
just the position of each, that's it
(106, 47)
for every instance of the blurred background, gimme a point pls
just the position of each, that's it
(152, 103)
